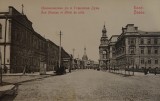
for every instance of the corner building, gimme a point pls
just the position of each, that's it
(23, 49)
(138, 49)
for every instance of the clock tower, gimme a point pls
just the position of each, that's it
(103, 50)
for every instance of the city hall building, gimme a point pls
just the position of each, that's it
(132, 48)
(138, 49)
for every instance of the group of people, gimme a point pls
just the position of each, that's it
(61, 70)
(28, 69)
(147, 70)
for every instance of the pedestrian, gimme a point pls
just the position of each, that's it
(145, 71)
(24, 70)
(70, 69)
(64, 69)
(155, 71)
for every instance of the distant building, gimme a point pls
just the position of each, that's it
(85, 58)
(95, 65)
(103, 50)
(90, 64)
(138, 49)
(77, 63)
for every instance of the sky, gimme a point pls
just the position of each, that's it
(85, 29)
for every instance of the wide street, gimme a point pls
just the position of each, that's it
(90, 85)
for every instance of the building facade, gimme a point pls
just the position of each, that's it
(103, 50)
(52, 57)
(137, 49)
(132, 49)
(23, 49)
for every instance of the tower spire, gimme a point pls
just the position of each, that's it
(85, 54)
(104, 31)
(85, 50)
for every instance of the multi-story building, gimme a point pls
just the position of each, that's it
(103, 50)
(138, 49)
(132, 48)
(52, 56)
(22, 49)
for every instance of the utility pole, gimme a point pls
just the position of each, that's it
(73, 57)
(60, 49)
(0, 56)
(5, 43)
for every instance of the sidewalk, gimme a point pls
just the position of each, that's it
(11, 80)
(28, 74)
(131, 73)
(14, 78)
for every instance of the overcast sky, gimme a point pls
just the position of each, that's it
(80, 30)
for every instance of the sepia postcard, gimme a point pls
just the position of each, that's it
(79, 50)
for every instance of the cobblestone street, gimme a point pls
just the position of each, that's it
(90, 85)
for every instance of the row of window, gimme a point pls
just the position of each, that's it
(149, 41)
(142, 50)
(19, 61)
(132, 41)
(23, 37)
(149, 61)
(149, 51)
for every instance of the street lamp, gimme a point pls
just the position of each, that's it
(60, 34)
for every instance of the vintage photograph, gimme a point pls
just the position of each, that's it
(79, 50)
